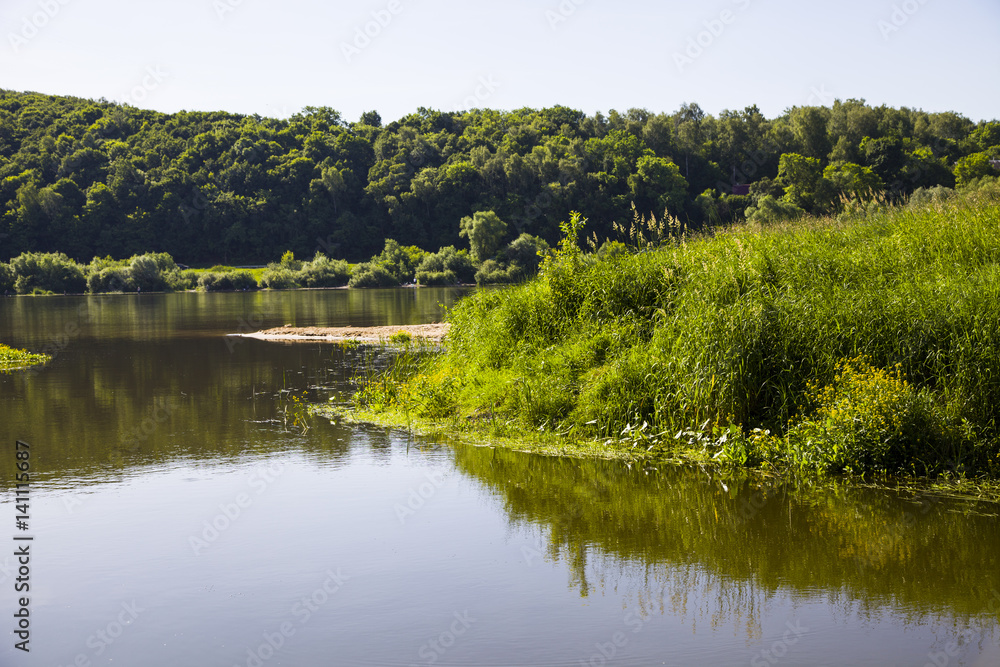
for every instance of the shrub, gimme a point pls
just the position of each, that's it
(277, 276)
(289, 262)
(227, 281)
(243, 280)
(493, 272)
(526, 251)
(324, 272)
(769, 210)
(182, 280)
(113, 279)
(923, 197)
(399, 261)
(733, 207)
(52, 272)
(372, 275)
(6, 278)
(146, 273)
(485, 231)
(867, 419)
(432, 278)
(446, 262)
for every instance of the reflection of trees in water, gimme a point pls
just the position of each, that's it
(122, 358)
(716, 548)
(125, 402)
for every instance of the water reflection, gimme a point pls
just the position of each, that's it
(144, 378)
(724, 545)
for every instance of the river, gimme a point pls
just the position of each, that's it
(180, 516)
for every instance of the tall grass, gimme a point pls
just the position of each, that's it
(742, 331)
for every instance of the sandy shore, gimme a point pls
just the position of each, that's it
(431, 332)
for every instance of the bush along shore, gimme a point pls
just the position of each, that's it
(489, 262)
(868, 344)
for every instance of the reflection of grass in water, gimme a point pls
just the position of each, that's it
(294, 412)
(13, 358)
(723, 544)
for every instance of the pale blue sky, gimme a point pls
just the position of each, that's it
(273, 58)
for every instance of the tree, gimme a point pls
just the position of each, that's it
(809, 129)
(884, 156)
(986, 136)
(658, 186)
(371, 118)
(973, 167)
(687, 123)
(853, 181)
(850, 122)
(485, 231)
(801, 176)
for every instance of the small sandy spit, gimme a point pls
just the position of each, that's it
(430, 332)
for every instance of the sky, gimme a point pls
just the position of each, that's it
(273, 58)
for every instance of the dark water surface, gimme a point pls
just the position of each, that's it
(180, 519)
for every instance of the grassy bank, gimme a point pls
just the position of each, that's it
(14, 359)
(865, 344)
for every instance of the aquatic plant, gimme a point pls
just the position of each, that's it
(13, 358)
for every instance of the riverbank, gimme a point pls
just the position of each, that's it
(868, 345)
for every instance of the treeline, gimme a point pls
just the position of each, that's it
(94, 178)
(396, 265)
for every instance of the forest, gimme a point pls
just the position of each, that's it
(99, 179)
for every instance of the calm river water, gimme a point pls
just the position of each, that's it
(178, 520)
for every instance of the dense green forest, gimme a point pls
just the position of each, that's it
(95, 178)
